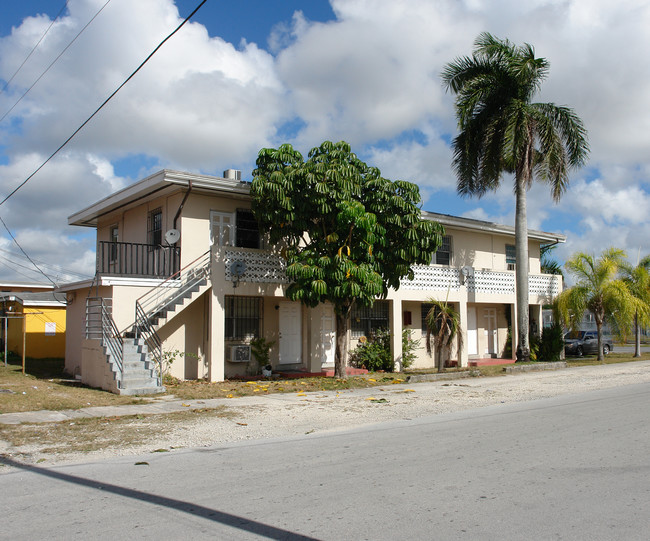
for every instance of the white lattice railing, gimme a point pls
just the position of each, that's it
(544, 285)
(267, 267)
(433, 278)
(262, 267)
(430, 278)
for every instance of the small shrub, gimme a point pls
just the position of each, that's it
(374, 353)
(534, 347)
(552, 344)
(408, 348)
(261, 350)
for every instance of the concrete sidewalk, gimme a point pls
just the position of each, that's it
(168, 404)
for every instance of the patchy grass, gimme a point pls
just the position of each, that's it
(45, 387)
(612, 358)
(39, 440)
(188, 390)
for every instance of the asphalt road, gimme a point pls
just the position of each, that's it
(570, 467)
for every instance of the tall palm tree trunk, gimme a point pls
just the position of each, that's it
(637, 335)
(521, 269)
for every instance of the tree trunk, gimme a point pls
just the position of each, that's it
(599, 330)
(341, 355)
(521, 266)
(637, 336)
(440, 361)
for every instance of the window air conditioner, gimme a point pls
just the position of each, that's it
(240, 354)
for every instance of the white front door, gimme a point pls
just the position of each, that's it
(290, 335)
(472, 331)
(490, 319)
(327, 335)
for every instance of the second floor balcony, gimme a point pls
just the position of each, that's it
(137, 260)
(263, 266)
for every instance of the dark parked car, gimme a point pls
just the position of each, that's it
(581, 342)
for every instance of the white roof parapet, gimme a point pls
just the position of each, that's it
(167, 178)
(150, 185)
(459, 222)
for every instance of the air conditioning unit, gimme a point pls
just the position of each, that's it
(240, 354)
(232, 174)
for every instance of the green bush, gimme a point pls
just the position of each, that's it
(552, 344)
(408, 348)
(374, 353)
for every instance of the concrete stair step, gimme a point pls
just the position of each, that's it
(141, 390)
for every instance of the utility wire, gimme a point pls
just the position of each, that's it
(55, 269)
(25, 253)
(34, 48)
(53, 62)
(16, 271)
(103, 104)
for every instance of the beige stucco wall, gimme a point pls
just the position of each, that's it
(486, 250)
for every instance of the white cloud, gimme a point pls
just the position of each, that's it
(370, 77)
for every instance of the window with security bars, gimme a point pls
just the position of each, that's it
(247, 232)
(243, 318)
(154, 227)
(235, 229)
(443, 255)
(511, 256)
(366, 319)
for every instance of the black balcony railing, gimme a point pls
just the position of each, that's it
(134, 259)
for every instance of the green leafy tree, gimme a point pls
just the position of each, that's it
(443, 328)
(598, 289)
(348, 234)
(503, 131)
(638, 281)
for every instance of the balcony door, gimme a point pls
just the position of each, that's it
(222, 228)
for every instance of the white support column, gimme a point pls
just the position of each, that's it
(463, 356)
(395, 322)
(217, 319)
(513, 320)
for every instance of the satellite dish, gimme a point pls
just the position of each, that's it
(238, 268)
(173, 236)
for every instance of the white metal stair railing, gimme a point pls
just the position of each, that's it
(155, 304)
(100, 325)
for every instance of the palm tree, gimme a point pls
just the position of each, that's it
(502, 130)
(443, 325)
(547, 264)
(599, 290)
(638, 281)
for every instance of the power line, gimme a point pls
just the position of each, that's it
(103, 104)
(17, 271)
(53, 62)
(57, 269)
(25, 253)
(34, 48)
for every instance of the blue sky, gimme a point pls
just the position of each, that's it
(250, 74)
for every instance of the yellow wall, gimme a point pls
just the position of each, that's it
(38, 344)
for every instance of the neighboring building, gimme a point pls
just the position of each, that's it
(227, 286)
(35, 318)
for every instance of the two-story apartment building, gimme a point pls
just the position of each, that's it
(182, 267)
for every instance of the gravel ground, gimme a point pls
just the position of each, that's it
(282, 415)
